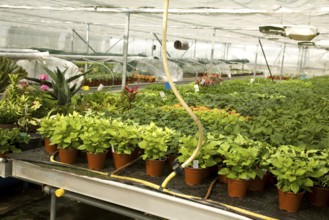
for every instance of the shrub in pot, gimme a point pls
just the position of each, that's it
(320, 190)
(154, 142)
(206, 158)
(124, 138)
(241, 159)
(46, 130)
(95, 141)
(294, 168)
(66, 135)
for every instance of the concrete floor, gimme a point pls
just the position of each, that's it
(27, 201)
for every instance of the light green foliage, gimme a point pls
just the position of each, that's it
(243, 157)
(295, 167)
(123, 136)
(207, 156)
(10, 137)
(94, 135)
(155, 141)
(67, 130)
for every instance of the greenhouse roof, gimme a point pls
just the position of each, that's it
(231, 21)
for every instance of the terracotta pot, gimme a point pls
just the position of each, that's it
(222, 179)
(49, 148)
(67, 155)
(194, 176)
(121, 159)
(270, 179)
(237, 188)
(212, 171)
(319, 196)
(7, 126)
(155, 168)
(290, 201)
(96, 161)
(170, 159)
(3, 155)
(256, 185)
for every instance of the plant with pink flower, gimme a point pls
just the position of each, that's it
(44, 77)
(44, 87)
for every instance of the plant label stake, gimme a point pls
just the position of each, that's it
(196, 88)
(195, 164)
(163, 95)
(112, 147)
(100, 87)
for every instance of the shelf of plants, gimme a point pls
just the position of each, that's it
(274, 131)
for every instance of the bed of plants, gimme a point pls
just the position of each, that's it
(258, 120)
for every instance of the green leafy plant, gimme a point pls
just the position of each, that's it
(242, 157)
(9, 138)
(124, 137)
(7, 68)
(94, 135)
(67, 130)
(15, 105)
(155, 141)
(294, 168)
(207, 156)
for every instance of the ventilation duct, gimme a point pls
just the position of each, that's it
(181, 45)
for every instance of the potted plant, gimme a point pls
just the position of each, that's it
(320, 191)
(95, 141)
(207, 157)
(66, 135)
(294, 168)
(154, 142)
(124, 138)
(241, 163)
(8, 140)
(46, 130)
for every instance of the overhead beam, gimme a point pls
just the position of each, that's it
(158, 11)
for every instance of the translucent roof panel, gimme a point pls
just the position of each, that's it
(234, 20)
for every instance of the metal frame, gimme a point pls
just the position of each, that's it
(133, 197)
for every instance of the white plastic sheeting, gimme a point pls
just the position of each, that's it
(202, 23)
(35, 66)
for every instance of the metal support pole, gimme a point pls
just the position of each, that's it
(87, 37)
(114, 45)
(125, 50)
(53, 207)
(84, 41)
(72, 41)
(194, 55)
(282, 62)
(268, 67)
(255, 63)
(100, 204)
(212, 50)
(160, 42)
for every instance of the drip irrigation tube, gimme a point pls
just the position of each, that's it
(178, 96)
(168, 191)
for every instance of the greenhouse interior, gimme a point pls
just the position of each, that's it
(166, 109)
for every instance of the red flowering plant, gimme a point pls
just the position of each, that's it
(130, 94)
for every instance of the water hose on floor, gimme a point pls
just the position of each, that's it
(178, 96)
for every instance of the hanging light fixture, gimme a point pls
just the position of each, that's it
(294, 32)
